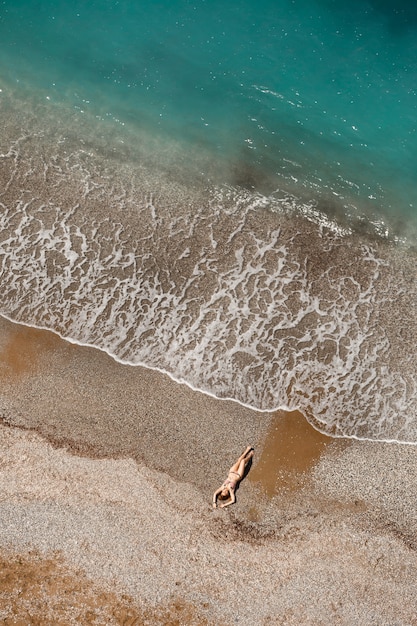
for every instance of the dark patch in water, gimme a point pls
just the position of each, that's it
(252, 177)
(397, 15)
(400, 14)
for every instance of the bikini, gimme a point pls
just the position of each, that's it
(232, 483)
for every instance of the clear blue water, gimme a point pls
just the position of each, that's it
(225, 192)
(320, 94)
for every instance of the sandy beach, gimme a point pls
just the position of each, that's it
(106, 478)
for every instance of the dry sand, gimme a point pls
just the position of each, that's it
(106, 478)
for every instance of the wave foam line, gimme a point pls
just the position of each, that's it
(313, 422)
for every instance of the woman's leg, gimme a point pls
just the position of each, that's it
(241, 468)
(240, 464)
(248, 450)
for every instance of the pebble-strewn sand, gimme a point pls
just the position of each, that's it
(106, 477)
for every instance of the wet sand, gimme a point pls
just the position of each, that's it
(292, 447)
(106, 478)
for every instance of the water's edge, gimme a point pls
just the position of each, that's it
(287, 408)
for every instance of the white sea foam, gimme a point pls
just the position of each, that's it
(261, 299)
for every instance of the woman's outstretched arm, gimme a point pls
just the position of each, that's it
(216, 493)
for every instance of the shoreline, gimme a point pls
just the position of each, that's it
(106, 475)
(23, 337)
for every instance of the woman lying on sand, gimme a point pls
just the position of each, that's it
(236, 472)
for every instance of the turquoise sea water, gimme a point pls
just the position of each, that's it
(223, 191)
(322, 94)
